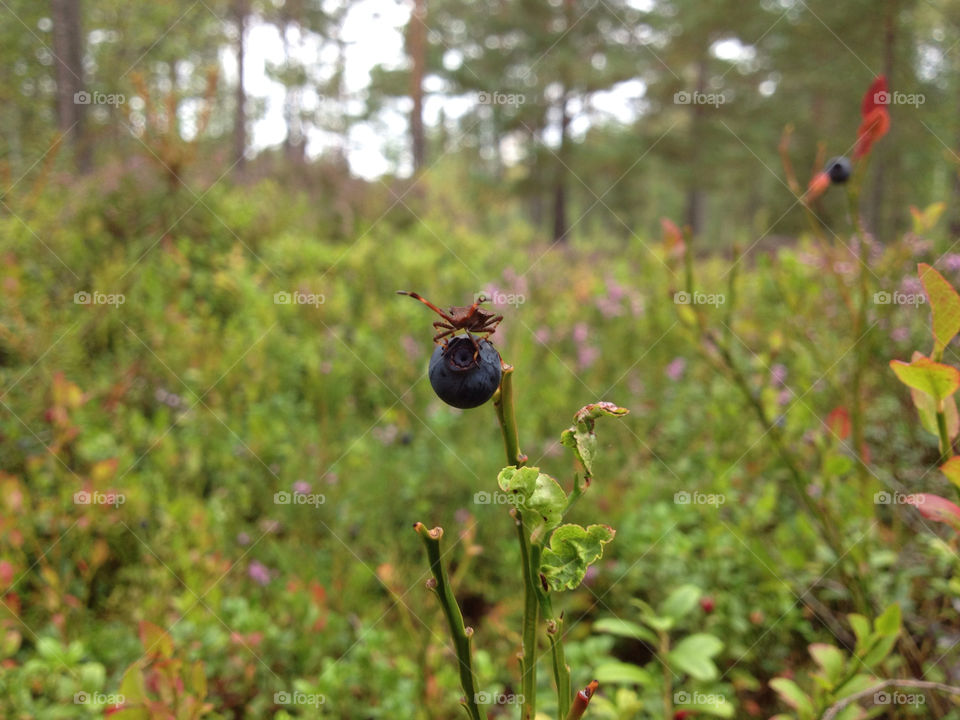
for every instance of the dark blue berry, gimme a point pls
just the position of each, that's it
(839, 169)
(460, 379)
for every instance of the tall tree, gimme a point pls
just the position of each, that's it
(241, 10)
(72, 97)
(416, 41)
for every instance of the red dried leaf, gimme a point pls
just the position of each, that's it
(877, 96)
(876, 118)
(839, 422)
(818, 185)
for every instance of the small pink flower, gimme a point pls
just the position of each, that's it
(580, 332)
(542, 336)
(676, 368)
(778, 373)
(587, 356)
(952, 262)
(301, 488)
(900, 334)
(259, 573)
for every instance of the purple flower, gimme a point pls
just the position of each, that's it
(259, 573)
(580, 332)
(676, 368)
(301, 488)
(911, 286)
(587, 356)
(542, 335)
(778, 373)
(900, 334)
(951, 261)
(243, 538)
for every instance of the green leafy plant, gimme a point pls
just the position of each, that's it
(679, 655)
(554, 556)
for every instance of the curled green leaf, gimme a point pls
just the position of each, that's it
(580, 436)
(572, 550)
(536, 495)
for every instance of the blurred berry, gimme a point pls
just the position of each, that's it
(839, 169)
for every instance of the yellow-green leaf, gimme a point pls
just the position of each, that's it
(935, 379)
(944, 304)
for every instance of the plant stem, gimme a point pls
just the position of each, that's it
(528, 659)
(460, 634)
(581, 701)
(667, 676)
(946, 447)
(506, 414)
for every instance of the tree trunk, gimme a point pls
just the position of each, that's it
(417, 48)
(72, 97)
(696, 202)
(560, 229)
(880, 221)
(240, 11)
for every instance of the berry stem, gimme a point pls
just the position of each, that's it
(506, 414)
(461, 635)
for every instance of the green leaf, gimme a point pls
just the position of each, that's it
(861, 628)
(649, 616)
(713, 704)
(132, 686)
(621, 673)
(624, 628)
(858, 683)
(792, 695)
(951, 468)
(580, 437)
(944, 304)
(935, 379)
(693, 654)
(889, 621)
(538, 496)
(927, 410)
(830, 659)
(879, 651)
(680, 602)
(572, 550)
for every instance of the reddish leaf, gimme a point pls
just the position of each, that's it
(839, 422)
(818, 185)
(936, 508)
(876, 118)
(876, 93)
(672, 237)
